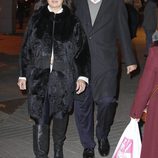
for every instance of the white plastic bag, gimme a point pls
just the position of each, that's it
(155, 36)
(129, 145)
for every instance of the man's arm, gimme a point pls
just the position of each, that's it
(124, 37)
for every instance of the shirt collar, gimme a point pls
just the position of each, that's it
(60, 11)
(95, 1)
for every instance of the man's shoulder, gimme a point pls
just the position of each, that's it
(79, 2)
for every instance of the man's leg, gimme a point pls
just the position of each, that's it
(106, 109)
(84, 117)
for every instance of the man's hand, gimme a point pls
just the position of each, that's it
(22, 84)
(80, 86)
(131, 68)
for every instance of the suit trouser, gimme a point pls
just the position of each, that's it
(84, 117)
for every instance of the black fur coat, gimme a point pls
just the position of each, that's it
(62, 33)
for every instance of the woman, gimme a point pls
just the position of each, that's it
(55, 63)
(147, 97)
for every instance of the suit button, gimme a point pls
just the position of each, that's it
(90, 38)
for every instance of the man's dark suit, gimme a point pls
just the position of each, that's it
(110, 25)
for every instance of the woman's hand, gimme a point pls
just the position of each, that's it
(131, 68)
(80, 86)
(137, 119)
(22, 84)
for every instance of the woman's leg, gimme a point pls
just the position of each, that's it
(41, 140)
(59, 135)
(41, 134)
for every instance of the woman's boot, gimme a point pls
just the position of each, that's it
(59, 131)
(41, 141)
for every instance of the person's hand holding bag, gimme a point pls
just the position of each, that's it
(129, 145)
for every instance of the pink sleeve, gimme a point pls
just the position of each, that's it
(145, 86)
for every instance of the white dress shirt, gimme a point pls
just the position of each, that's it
(95, 1)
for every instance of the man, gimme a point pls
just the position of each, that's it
(133, 19)
(20, 12)
(149, 22)
(103, 21)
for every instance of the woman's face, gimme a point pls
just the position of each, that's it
(55, 4)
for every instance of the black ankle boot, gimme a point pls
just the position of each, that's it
(41, 141)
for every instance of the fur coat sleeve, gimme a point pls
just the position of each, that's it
(82, 56)
(25, 55)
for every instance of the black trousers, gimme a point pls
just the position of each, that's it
(59, 124)
(84, 117)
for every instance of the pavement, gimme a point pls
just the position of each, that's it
(15, 125)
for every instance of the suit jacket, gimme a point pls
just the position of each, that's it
(147, 85)
(150, 17)
(111, 24)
